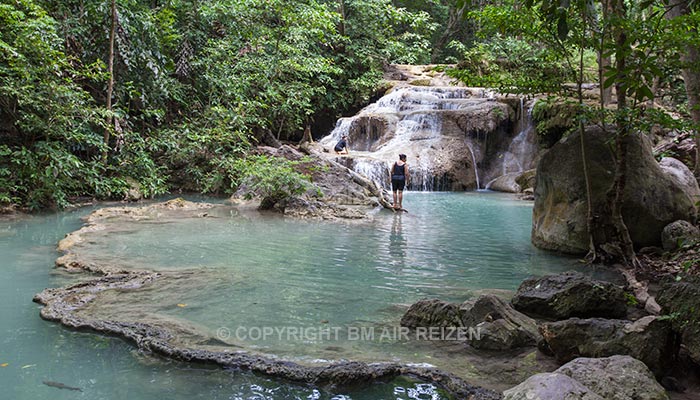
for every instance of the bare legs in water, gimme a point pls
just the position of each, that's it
(398, 194)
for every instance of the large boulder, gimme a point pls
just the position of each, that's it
(431, 313)
(682, 175)
(651, 199)
(499, 326)
(505, 183)
(615, 378)
(648, 339)
(681, 299)
(677, 233)
(570, 294)
(550, 386)
(527, 179)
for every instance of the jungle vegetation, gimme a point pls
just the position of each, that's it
(97, 96)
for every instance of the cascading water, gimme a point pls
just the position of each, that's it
(476, 169)
(411, 120)
(519, 156)
(456, 138)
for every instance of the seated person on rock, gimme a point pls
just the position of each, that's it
(342, 146)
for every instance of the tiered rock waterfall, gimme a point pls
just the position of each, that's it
(456, 138)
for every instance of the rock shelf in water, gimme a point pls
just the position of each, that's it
(64, 305)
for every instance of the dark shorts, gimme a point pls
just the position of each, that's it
(338, 149)
(398, 183)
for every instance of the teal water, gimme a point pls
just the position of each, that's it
(255, 271)
(33, 351)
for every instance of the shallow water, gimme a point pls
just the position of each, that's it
(243, 272)
(33, 351)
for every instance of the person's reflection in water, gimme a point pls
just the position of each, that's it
(397, 242)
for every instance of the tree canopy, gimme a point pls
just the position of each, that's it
(196, 84)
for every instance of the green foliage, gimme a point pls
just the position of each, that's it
(554, 118)
(631, 300)
(197, 85)
(512, 66)
(270, 178)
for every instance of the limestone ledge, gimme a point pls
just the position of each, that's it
(63, 305)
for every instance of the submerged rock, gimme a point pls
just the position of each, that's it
(76, 307)
(570, 294)
(550, 386)
(651, 199)
(648, 339)
(615, 378)
(681, 300)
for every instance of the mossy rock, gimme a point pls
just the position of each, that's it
(420, 82)
(553, 120)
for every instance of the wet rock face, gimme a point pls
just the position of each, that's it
(451, 135)
(550, 386)
(682, 299)
(615, 378)
(648, 339)
(570, 294)
(651, 199)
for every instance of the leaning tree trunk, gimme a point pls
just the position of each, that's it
(691, 75)
(110, 83)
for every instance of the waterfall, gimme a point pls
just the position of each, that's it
(438, 128)
(519, 156)
(476, 169)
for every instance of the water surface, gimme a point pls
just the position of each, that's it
(253, 271)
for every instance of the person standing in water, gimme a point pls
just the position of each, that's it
(399, 177)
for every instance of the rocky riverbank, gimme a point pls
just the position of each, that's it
(607, 344)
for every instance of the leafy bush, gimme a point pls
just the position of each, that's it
(272, 179)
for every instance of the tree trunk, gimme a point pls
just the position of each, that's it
(604, 62)
(453, 23)
(620, 246)
(110, 83)
(691, 75)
